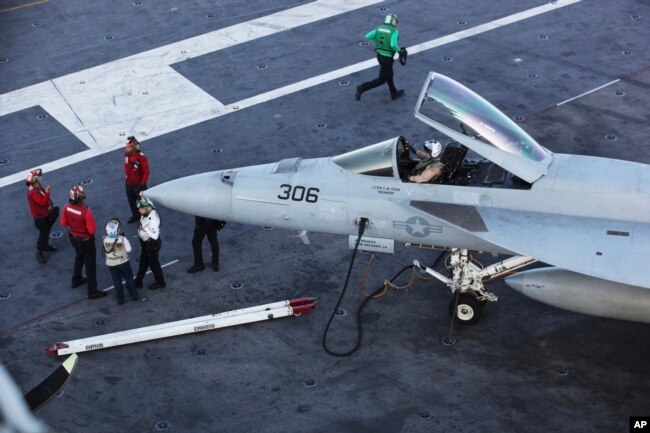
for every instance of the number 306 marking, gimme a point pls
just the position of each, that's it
(298, 193)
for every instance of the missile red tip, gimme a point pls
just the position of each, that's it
(52, 350)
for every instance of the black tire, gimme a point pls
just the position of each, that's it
(468, 310)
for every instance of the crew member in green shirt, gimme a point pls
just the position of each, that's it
(386, 39)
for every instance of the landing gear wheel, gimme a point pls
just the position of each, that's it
(468, 310)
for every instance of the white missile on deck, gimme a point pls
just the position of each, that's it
(275, 310)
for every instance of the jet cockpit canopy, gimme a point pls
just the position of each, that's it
(373, 160)
(466, 117)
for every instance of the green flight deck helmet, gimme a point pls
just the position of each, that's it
(391, 19)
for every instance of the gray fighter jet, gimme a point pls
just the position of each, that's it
(586, 217)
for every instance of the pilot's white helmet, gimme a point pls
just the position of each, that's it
(433, 147)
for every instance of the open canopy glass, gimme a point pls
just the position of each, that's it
(466, 117)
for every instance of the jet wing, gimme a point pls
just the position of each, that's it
(607, 249)
(466, 117)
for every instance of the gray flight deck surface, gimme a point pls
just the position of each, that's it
(526, 367)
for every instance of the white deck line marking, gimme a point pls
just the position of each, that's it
(329, 76)
(587, 92)
(144, 96)
(141, 94)
(500, 22)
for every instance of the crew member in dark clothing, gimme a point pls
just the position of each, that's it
(150, 243)
(386, 39)
(136, 174)
(205, 227)
(41, 209)
(81, 221)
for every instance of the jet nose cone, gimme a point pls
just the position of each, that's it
(202, 194)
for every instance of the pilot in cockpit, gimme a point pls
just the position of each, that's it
(430, 168)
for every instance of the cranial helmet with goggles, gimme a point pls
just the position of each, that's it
(131, 141)
(113, 228)
(145, 203)
(34, 177)
(391, 19)
(77, 194)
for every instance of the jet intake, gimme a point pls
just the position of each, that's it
(583, 294)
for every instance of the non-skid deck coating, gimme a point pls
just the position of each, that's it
(526, 367)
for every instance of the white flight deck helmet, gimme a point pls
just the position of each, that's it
(113, 228)
(433, 147)
(391, 19)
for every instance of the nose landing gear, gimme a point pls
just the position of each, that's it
(467, 282)
(466, 307)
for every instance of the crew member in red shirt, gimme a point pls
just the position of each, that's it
(136, 174)
(41, 209)
(81, 221)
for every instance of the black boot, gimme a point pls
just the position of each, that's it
(77, 283)
(40, 257)
(134, 295)
(397, 94)
(195, 268)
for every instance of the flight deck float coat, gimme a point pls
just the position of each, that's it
(44, 214)
(149, 226)
(80, 219)
(386, 45)
(81, 222)
(40, 205)
(117, 250)
(136, 168)
(385, 37)
(150, 244)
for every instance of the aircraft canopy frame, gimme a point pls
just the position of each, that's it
(466, 117)
(374, 160)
